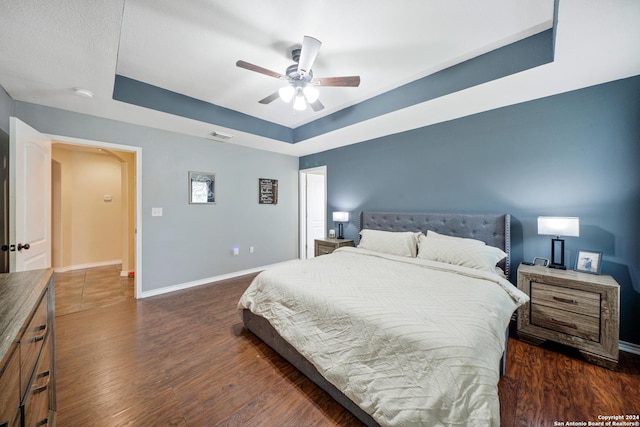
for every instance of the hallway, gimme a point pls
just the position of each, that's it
(80, 290)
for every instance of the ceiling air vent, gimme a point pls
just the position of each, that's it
(220, 136)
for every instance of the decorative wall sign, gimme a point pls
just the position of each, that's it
(267, 191)
(202, 187)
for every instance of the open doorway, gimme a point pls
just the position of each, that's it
(93, 162)
(313, 209)
(93, 233)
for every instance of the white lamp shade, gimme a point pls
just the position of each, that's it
(286, 93)
(311, 93)
(299, 104)
(559, 226)
(341, 217)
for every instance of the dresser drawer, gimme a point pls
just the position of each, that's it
(569, 323)
(36, 404)
(10, 391)
(576, 301)
(31, 342)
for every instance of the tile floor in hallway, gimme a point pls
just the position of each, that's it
(80, 290)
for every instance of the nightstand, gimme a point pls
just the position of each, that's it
(577, 309)
(326, 246)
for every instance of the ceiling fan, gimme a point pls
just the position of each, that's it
(302, 85)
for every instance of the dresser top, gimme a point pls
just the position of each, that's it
(19, 294)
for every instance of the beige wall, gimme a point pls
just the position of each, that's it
(89, 229)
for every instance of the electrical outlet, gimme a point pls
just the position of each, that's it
(250, 249)
(156, 211)
(236, 251)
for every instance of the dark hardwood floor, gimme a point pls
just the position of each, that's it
(185, 359)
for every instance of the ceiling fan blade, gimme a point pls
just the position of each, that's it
(350, 81)
(308, 54)
(317, 106)
(269, 99)
(258, 69)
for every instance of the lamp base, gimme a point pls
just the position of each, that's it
(557, 254)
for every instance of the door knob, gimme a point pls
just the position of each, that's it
(26, 246)
(10, 248)
(4, 248)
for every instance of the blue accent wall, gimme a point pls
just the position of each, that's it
(573, 154)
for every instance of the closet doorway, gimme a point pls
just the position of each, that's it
(313, 209)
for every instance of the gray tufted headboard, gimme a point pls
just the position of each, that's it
(493, 229)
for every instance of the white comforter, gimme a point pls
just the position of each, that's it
(410, 341)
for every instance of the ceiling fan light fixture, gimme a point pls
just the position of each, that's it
(300, 104)
(286, 93)
(311, 93)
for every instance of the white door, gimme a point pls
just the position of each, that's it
(29, 198)
(316, 221)
(313, 208)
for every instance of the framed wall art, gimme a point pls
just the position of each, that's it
(267, 191)
(202, 187)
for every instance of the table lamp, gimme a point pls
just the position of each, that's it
(558, 226)
(340, 217)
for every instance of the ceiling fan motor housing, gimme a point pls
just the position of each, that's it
(292, 73)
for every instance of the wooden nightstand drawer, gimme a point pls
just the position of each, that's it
(324, 249)
(576, 301)
(569, 323)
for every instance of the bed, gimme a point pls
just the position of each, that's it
(398, 335)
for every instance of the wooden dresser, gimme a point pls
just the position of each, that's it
(27, 349)
(577, 309)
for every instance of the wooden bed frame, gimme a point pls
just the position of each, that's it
(492, 229)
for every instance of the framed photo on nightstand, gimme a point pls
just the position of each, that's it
(589, 261)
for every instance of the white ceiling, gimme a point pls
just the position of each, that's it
(49, 47)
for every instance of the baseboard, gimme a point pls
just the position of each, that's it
(88, 265)
(629, 347)
(187, 285)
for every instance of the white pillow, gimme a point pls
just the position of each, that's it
(457, 252)
(431, 233)
(403, 243)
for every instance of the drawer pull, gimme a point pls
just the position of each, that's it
(43, 374)
(565, 300)
(37, 338)
(4, 424)
(40, 389)
(42, 422)
(567, 324)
